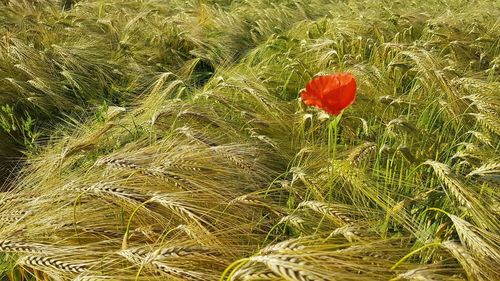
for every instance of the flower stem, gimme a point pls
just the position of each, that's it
(332, 138)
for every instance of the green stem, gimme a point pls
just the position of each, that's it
(413, 252)
(335, 136)
(332, 139)
(127, 230)
(233, 268)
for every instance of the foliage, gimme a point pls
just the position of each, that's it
(210, 168)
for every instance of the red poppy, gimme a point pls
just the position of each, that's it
(332, 93)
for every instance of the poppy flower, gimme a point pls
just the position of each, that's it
(331, 93)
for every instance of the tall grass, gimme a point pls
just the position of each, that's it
(206, 165)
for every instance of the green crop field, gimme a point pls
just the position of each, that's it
(167, 140)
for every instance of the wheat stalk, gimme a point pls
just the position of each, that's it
(51, 263)
(482, 243)
(471, 266)
(290, 268)
(455, 186)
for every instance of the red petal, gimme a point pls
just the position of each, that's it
(331, 83)
(332, 93)
(308, 99)
(315, 86)
(348, 94)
